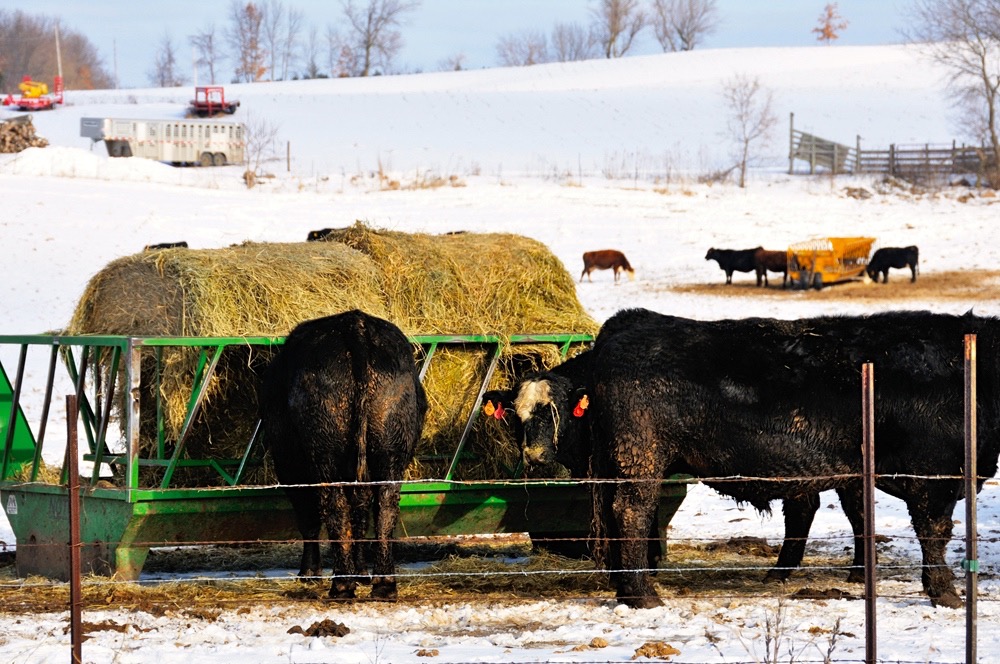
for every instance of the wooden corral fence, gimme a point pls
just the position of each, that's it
(915, 163)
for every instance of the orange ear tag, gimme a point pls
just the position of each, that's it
(581, 406)
(488, 409)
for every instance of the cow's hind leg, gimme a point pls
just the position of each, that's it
(634, 509)
(932, 522)
(305, 504)
(383, 566)
(337, 513)
(360, 499)
(852, 502)
(799, 514)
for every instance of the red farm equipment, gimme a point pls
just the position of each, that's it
(210, 101)
(35, 95)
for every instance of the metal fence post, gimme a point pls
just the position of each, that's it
(971, 563)
(868, 454)
(75, 595)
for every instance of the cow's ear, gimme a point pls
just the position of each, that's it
(579, 401)
(497, 403)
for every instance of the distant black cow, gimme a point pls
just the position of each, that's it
(776, 398)
(895, 257)
(166, 245)
(322, 234)
(734, 260)
(775, 261)
(341, 402)
(568, 440)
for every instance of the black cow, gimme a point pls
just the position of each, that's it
(549, 412)
(166, 245)
(895, 257)
(734, 260)
(322, 234)
(782, 399)
(341, 402)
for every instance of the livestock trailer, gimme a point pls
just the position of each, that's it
(184, 141)
(130, 496)
(821, 261)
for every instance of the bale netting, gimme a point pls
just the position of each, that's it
(467, 284)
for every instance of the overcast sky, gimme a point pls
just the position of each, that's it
(127, 33)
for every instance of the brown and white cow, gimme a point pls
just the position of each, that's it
(606, 259)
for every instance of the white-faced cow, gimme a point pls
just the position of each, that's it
(342, 405)
(606, 259)
(734, 260)
(781, 399)
(552, 419)
(893, 257)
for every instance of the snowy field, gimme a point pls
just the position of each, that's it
(593, 155)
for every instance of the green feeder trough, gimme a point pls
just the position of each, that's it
(135, 496)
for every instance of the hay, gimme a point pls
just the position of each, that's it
(470, 283)
(455, 284)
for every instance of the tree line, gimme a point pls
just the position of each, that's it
(28, 48)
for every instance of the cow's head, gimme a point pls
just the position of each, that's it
(550, 415)
(712, 253)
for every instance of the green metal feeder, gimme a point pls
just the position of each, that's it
(122, 519)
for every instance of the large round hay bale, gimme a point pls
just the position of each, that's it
(455, 284)
(470, 283)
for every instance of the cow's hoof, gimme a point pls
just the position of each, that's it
(648, 602)
(949, 600)
(342, 591)
(777, 576)
(310, 575)
(856, 576)
(383, 590)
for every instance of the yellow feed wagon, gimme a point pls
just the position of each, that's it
(820, 261)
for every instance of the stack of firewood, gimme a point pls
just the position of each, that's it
(18, 134)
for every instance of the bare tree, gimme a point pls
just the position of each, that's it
(831, 24)
(311, 54)
(206, 48)
(681, 24)
(280, 28)
(373, 34)
(28, 48)
(572, 42)
(260, 136)
(964, 37)
(245, 39)
(341, 58)
(165, 72)
(616, 24)
(452, 63)
(751, 117)
(522, 49)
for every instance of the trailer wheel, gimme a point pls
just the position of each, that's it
(818, 281)
(205, 159)
(119, 149)
(219, 159)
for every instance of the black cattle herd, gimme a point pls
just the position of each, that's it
(342, 409)
(761, 261)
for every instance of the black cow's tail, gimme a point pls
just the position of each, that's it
(359, 403)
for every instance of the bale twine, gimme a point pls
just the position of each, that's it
(468, 284)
